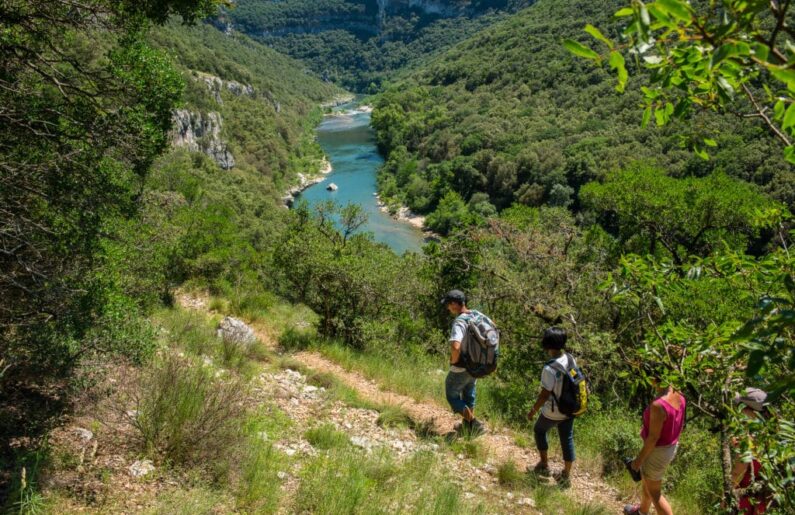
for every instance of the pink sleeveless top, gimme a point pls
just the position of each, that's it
(672, 426)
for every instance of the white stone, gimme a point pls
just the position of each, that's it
(362, 442)
(236, 331)
(526, 501)
(84, 434)
(141, 468)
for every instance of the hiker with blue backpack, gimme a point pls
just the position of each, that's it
(563, 397)
(474, 349)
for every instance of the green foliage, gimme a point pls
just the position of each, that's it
(326, 437)
(451, 214)
(700, 345)
(184, 413)
(690, 216)
(728, 55)
(86, 109)
(511, 113)
(509, 475)
(351, 282)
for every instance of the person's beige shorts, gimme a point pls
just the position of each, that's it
(654, 466)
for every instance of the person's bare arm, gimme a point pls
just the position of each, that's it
(455, 352)
(542, 399)
(656, 419)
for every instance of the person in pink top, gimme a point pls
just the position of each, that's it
(663, 421)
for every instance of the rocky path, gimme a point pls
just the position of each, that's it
(500, 445)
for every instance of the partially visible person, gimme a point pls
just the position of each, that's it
(663, 422)
(459, 384)
(554, 343)
(751, 496)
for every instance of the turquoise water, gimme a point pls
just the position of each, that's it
(349, 143)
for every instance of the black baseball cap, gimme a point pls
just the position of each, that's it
(454, 296)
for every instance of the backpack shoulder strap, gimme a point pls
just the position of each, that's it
(557, 367)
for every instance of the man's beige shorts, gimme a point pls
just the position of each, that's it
(654, 466)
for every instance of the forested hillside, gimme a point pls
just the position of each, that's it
(360, 43)
(510, 116)
(267, 102)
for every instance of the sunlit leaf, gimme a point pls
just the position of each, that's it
(580, 50)
(789, 117)
(676, 8)
(596, 33)
(646, 117)
(617, 63)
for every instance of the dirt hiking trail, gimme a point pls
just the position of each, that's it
(586, 488)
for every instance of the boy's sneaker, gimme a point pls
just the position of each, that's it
(541, 469)
(563, 479)
(633, 509)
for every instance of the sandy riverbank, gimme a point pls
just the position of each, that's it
(305, 181)
(404, 214)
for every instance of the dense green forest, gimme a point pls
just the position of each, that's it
(356, 43)
(556, 208)
(509, 116)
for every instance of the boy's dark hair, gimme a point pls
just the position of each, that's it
(554, 338)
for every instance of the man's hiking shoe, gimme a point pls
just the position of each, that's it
(476, 428)
(541, 469)
(633, 509)
(563, 479)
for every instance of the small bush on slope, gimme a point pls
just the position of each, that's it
(185, 413)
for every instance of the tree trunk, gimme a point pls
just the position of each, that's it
(726, 464)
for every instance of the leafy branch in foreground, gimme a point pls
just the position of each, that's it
(725, 55)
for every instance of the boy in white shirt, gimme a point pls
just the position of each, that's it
(554, 343)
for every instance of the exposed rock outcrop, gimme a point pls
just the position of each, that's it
(235, 331)
(216, 85)
(201, 132)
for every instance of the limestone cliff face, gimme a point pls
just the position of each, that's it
(216, 84)
(201, 132)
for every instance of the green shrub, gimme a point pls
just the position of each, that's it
(394, 416)
(293, 339)
(185, 414)
(252, 306)
(326, 436)
(508, 474)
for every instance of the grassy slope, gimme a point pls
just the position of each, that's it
(510, 107)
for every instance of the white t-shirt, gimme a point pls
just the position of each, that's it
(457, 334)
(552, 380)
